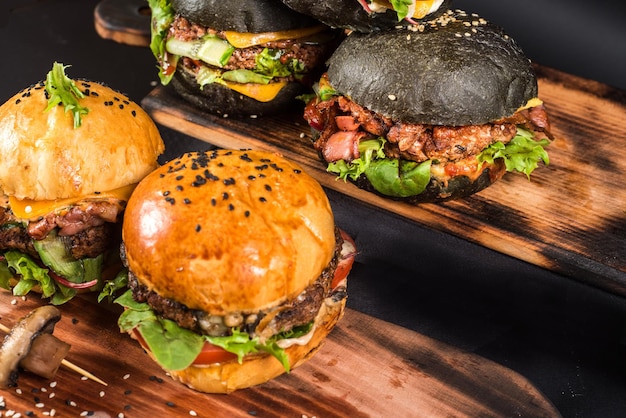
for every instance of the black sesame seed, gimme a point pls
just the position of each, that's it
(265, 160)
(128, 392)
(251, 178)
(134, 113)
(74, 321)
(186, 201)
(97, 192)
(213, 202)
(262, 199)
(179, 188)
(276, 167)
(210, 176)
(297, 171)
(95, 93)
(261, 167)
(268, 187)
(229, 181)
(247, 213)
(245, 157)
(116, 99)
(170, 200)
(170, 404)
(179, 178)
(166, 193)
(127, 407)
(161, 175)
(231, 207)
(18, 101)
(121, 106)
(199, 181)
(198, 228)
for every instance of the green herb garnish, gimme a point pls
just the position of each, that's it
(62, 90)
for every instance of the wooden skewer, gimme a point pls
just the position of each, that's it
(68, 364)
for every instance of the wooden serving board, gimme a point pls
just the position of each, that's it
(366, 368)
(569, 218)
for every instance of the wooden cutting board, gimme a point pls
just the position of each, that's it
(366, 368)
(569, 218)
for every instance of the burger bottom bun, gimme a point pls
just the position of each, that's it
(218, 99)
(455, 188)
(255, 370)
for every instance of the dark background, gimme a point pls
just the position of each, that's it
(567, 338)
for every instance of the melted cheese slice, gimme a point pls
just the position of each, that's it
(536, 101)
(32, 209)
(260, 92)
(418, 9)
(246, 40)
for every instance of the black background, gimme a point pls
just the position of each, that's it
(568, 339)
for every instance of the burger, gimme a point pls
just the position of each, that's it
(370, 15)
(72, 152)
(236, 269)
(431, 112)
(250, 57)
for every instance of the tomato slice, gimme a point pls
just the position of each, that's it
(213, 354)
(210, 353)
(346, 260)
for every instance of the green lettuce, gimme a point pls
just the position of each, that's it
(31, 275)
(401, 7)
(521, 154)
(162, 15)
(175, 348)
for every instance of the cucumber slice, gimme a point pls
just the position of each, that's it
(54, 255)
(210, 49)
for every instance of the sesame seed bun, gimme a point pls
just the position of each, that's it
(45, 158)
(228, 231)
(456, 70)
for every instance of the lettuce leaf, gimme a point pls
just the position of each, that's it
(521, 154)
(162, 15)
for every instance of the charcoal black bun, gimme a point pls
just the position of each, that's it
(460, 70)
(349, 14)
(218, 99)
(243, 15)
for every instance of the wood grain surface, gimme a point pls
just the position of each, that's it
(366, 368)
(569, 218)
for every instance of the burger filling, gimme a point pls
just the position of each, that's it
(399, 158)
(257, 65)
(405, 9)
(240, 333)
(60, 252)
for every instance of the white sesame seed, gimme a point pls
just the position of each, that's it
(126, 376)
(18, 391)
(120, 415)
(53, 412)
(392, 97)
(40, 405)
(43, 389)
(193, 413)
(302, 134)
(52, 395)
(254, 116)
(13, 301)
(53, 384)
(72, 403)
(101, 394)
(83, 378)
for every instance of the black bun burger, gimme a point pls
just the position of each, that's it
(72, 153)
(246, 57)
(370, 15)
(428, 113)
(237, 271)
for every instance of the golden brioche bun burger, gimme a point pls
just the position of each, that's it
(72, 152)
(237, 272)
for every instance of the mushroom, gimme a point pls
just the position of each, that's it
(31, 346)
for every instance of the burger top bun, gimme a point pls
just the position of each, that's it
(455, 70)
(350, 14)
(44, 157)
(243, 16)
(228, 231)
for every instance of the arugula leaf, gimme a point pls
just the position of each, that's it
(110, 288)
(238, 343)
(521, 154)
(62, 90)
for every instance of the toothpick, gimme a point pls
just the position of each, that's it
(68, 364)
